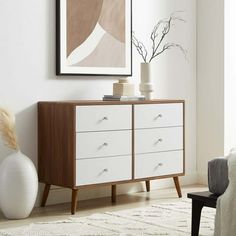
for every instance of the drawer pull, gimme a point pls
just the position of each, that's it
(158, 141)
(105, 118)
(102, 172)
(103, 145)
(159, 165)
(158, 116)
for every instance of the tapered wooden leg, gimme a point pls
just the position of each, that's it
(113, 193)
(196, 216)
(45, 194)
(74, 201)
(177, 186)
(148, 185)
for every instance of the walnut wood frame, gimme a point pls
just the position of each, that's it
(57, 165)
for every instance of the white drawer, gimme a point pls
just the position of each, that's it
(103, 170)
(158, 164)
(158, 115)
(158, 139)
(109, 117)
(102, 144)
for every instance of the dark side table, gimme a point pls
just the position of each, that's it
(200, 200)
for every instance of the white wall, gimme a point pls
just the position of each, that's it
(230, 76)
(210, 83)
(27, 66)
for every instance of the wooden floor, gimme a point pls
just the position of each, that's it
(88, 207)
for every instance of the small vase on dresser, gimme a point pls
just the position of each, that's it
(146, 86)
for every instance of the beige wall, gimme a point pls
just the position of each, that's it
(210, 83)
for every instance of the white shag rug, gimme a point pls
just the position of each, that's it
(172, 219)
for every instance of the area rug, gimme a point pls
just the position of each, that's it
(172, 219)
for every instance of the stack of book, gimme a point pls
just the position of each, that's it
(123, 98)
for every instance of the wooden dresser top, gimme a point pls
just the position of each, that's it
(100, 102)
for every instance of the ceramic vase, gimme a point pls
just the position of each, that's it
(18, 186)
(123, 88)
(146, 86)
(4, 150)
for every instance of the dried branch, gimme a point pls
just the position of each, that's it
(176, 17)
(168, 46)
(154, 35)
(166, 29)
(7, 129)
(158, 34)
(140, 47)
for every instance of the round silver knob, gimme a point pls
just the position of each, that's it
(105, 144)
(158, 141)
(158, 116)
(157, 166)
(105, 170)
(105, 118)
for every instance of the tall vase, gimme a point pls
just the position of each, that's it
(18, 186)
(146, 86)
(4, 150)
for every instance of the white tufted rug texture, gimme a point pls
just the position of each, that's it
(171, 219)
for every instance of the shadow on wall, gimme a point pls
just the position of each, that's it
(50, 40)
(26, 129)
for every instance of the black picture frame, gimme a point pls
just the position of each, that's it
(61, 72)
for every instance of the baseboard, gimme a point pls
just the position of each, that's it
(61, 195)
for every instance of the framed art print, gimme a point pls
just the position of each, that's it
(94, 37)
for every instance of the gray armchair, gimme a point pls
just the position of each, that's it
(218, 175)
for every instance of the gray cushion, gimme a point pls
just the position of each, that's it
(218, 175)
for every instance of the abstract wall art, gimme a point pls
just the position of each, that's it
(94, 37)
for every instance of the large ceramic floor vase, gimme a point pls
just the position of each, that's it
(146, 86)
(18, 186)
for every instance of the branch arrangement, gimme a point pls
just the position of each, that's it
(158, 34)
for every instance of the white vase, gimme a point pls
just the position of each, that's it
(4, 150)
(146, 86)
(18, 186)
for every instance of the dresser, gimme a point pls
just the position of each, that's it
(93, 143)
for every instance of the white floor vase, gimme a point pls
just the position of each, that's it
(18, 186)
